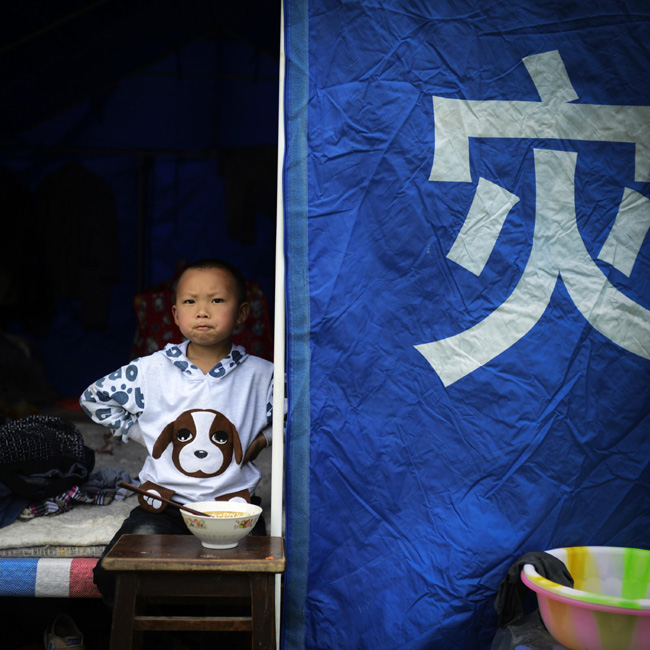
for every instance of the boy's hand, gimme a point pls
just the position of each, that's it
(255, 448)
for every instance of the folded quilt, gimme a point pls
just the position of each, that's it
(84, 525)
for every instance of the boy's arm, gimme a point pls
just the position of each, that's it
(263, 438)
(116, 400)
(254, 449)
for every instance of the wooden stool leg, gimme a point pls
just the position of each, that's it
(263, 610)
(123, 612)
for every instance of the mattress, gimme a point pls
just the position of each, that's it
(48, 577)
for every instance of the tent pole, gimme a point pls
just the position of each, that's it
(277, 449)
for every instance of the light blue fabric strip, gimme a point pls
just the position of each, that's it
(297, 296)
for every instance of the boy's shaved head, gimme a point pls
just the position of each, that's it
(215, 263)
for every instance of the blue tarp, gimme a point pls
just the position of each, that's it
(468, 289)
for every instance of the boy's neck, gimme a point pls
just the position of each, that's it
(206, 357)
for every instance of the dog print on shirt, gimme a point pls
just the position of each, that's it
(203, 443)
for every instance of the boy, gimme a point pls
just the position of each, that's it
(202, 408)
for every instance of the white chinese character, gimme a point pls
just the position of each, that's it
(558, 249)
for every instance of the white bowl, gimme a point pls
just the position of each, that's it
(221, 532)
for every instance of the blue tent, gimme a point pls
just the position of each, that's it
(467, 205)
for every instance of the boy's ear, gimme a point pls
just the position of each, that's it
(244, 311)
(174, 314)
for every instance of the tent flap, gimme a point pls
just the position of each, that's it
(468, 290)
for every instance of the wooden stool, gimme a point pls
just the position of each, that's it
(173, 567)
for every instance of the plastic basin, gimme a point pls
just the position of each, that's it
(609, 606)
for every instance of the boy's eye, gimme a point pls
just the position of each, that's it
(188, 301)
(217, 300)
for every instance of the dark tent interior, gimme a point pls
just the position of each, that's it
(134, 137)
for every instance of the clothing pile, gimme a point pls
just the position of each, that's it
(45, 468)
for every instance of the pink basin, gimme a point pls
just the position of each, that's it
(609, 606)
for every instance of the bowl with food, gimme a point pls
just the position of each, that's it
(224, 522)
(608, 607)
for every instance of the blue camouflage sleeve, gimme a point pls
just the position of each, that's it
(116, 400)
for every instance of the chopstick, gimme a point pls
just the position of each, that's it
(169, 502)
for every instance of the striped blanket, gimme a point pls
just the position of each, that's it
(48, 577)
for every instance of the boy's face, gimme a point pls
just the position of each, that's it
(207, 308)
